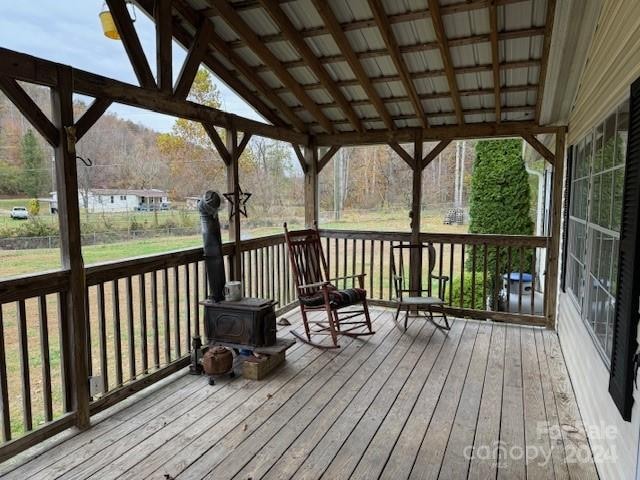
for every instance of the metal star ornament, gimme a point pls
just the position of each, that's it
(241, 207)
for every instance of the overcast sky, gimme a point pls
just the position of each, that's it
(69, 32)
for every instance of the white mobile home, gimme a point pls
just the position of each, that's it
(100, 200)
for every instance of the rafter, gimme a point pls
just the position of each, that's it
(389, 38)
(196, 53)
(164, 60)
(438, 26)
(418, 47)
(226, 75)
(546, 47)
(30, 110)
(220, 45)
(291, 34)
(343, 44)
(243, 30)
(435, 151)
(328, 155)
(495, 57)
(420, 14)
(131, 42)
(91, 116)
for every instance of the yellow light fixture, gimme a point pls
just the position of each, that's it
(108, 25)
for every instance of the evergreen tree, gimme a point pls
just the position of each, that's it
(35, 175)
(500, 191)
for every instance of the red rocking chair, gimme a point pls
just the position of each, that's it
(317, 293)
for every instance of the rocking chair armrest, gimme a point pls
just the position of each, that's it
(313, 285)
(346, 277)
(441, 277)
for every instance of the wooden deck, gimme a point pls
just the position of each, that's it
(487, 400)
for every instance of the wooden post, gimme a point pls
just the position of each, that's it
(311, 200)
(233, 185)
(75, 334)
(553, 253)
(415, 271)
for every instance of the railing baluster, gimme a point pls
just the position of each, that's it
(451, 256)
(273, 272)
(131, 330)
(187, 297)
(142, 287)
(117, 341)
(24, 366)
(165, 305)
(44, 358)
(440, 266)
(485, 273)
(337, 258)
(473, 276)
(496, 282)
(327, 251)
(196, 296)
(176, 310)
(381, 265)
(521, 269)
(87, 322)
(155, 315)
(371, 257)
(354, 251)
(66, 362)
(533, 280)
(102, 328)
(508, 306)
(344, 263)
(5, 418)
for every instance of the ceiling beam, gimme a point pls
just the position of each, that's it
(420, 14)
(245, 32)
(495, 57)
(546, 47)
(44, 72)
(426, 74)
(384, 27)
(195, 55)
(438, 26)
(343, 44)
(435, 151)
(91, 116)
(131, 42)
(455, 132)
(30, 110)
(164, 60)
(431, 96)
(291, 34)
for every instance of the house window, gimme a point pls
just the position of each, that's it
(123, 197)
(112, 199)
(594, 224)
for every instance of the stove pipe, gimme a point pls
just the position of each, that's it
(208, 207)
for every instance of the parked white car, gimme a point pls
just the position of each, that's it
(19, 213)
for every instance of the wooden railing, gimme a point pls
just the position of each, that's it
(475, 264)
(143, 312)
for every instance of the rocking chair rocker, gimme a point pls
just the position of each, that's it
(317, 293)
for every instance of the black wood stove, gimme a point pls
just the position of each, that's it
(250, 322)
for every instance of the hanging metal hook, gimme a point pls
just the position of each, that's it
(87, 161)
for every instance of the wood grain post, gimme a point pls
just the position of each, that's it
(553, 253)
(233, 185)
(311, 200)
(70, 244)
(415, 259)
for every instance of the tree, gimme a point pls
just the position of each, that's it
(35, 175)
(500, 203)
(500, 192)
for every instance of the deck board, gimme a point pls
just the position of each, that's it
(395, 405)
